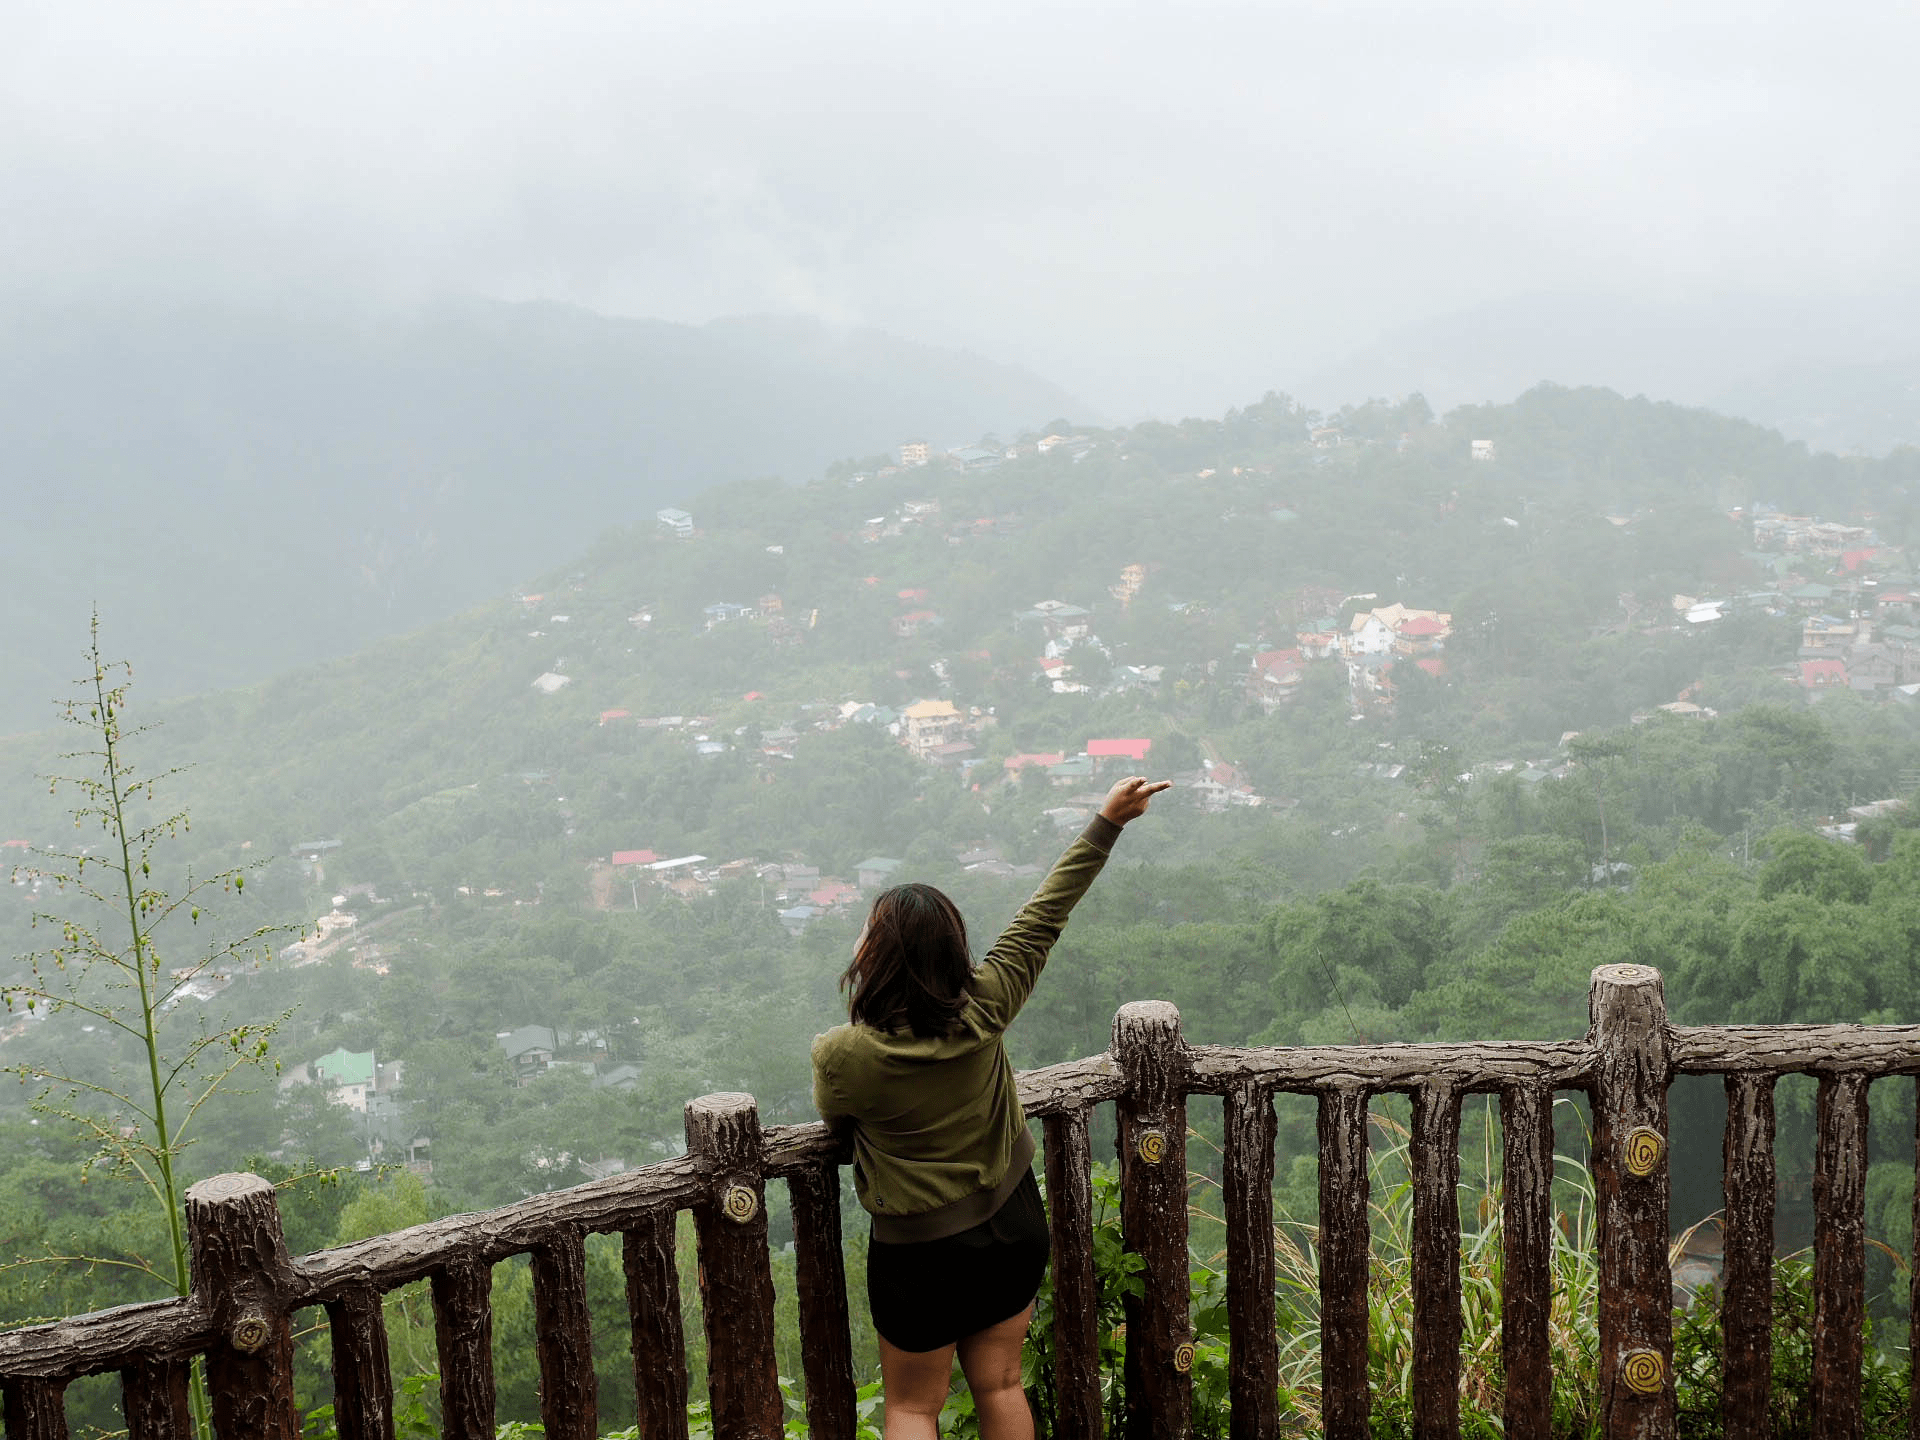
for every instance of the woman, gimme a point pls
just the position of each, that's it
(942, 1156)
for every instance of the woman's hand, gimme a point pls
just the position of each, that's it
(1128, 799)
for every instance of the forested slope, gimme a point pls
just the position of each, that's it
(1434, 858)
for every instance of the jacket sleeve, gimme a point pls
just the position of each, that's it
(827, 1096)
(1006, 977)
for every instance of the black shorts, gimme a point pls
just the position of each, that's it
(931, 1293)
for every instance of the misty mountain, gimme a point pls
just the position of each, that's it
(243, 491)
(1838, 373)
(1866, 409)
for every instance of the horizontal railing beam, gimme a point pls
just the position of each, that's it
(1874, 1050)
(1471, 1069)
(388, 1261)
(106, 1340)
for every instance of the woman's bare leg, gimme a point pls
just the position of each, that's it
(914, 1384)
(991, 1360)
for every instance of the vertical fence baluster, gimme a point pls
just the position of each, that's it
(1253, 1354)
(362, 1370)
(1435, 1163)
(1746, 1274)
(153, 1398)
(659, 1342)
(1153, 1216)
(1913, 1292)
(36, 1409)
(1631, 1194)
(736, 1278)
(1526, 1242)
(1344, 1192)
(563, 1339)
(242, 1275)
(463, 1334)
(1839, 1255)
(1076, 1319)
(820, 1278)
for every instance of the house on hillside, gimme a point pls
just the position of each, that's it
(529, 1050)
(1042, 759)
(876, 872)
(913, 622)
(930, 724)
(1075, 770)
(348, 1076)
(1369, 635)
(1108, 750)
(722, 611)
(1061, 620)
(1275, 677)
(677, 523)
(1420, 635)
(1823, 674)
(1132, 577)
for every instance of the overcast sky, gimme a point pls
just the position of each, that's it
(1164, 207)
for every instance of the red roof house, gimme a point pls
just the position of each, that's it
(634, 857)
(607, 716)
(1819, 674)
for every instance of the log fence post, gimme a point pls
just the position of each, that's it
(1913, 1292)
(659, 1342)
(153, 1400)
(1076, 1318)
(1839, 1255)
(1345, 1190)
(1434, 1158)
(362, 1369)
(1746, 1278)
(241, 1278)
(736, 1275)
(563, 1338)
(1153, 1217)
(820, 1281)
(36, 1409)
(1526, 1240)
(463, 1336)
(1253, 1348)
(1632, 1191)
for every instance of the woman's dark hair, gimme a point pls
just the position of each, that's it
(911, 967)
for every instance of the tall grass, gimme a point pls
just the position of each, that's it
(1572, 1328)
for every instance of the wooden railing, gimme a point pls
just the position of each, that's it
(246, 1288)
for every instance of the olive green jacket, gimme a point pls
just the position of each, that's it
(939, 1139)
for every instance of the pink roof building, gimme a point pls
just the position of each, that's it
(634, 857)
(1131, 749)
(1819, 674)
